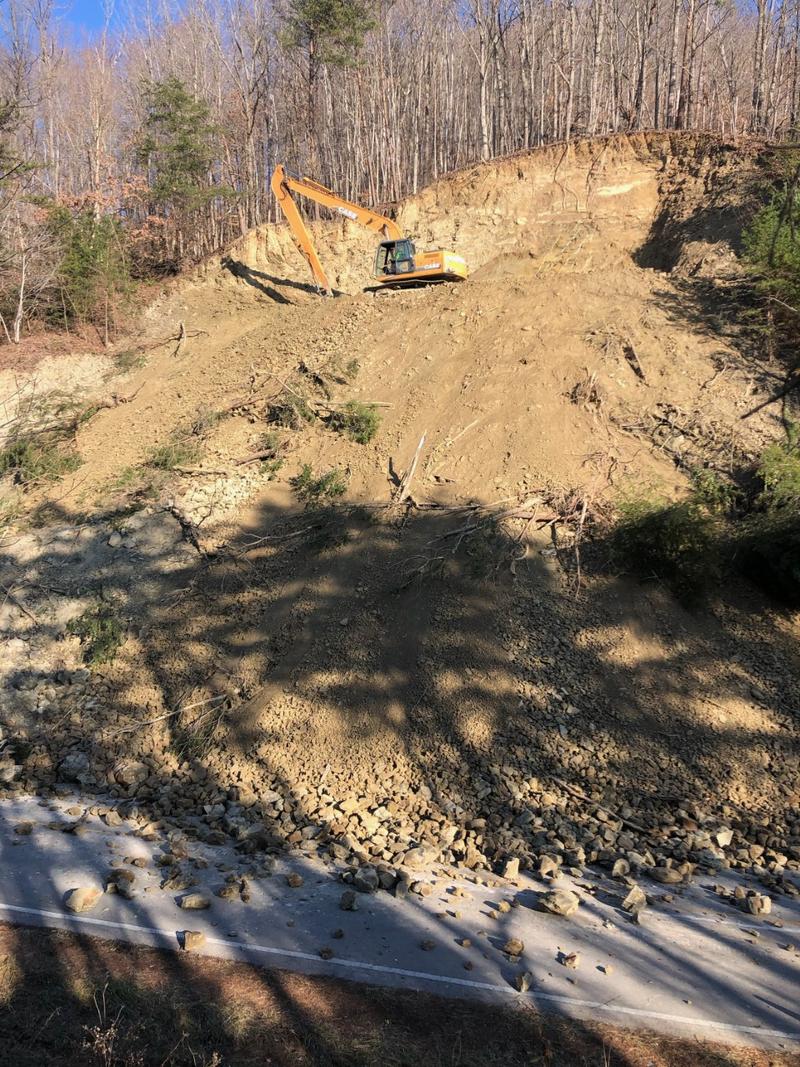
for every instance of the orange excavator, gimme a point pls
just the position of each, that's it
(397, 261)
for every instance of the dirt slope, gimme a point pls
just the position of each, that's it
(382, 678)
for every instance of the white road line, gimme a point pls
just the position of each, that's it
(552, 998)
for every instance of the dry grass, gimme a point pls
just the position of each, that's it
(73, 1000)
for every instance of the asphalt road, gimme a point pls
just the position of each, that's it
(693, 966)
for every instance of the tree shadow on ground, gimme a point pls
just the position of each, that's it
(355, 682)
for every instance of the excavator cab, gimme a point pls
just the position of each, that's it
(394, 257)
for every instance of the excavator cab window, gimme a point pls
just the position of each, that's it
(395, 257)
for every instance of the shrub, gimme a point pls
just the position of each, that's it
(768, 552)
(779, 471)
(771, 241)
(101, 633)
(314, 490)
(205, 419)
(676, 542)
(129, 359)
(37, 459)
(359, 421)
(712, 491)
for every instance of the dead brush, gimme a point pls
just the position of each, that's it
(290, 410)
(588, 393)
(102, 1041)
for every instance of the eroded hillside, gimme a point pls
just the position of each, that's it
(445, 671)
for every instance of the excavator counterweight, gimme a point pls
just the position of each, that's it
(397, 261)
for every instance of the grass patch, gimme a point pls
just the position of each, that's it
(101, 633)
(270, 464)
(315, 490)
(10, 512)
(11, 978)
(37, 460)
(175, 453)
(129, 359)
(358, 421)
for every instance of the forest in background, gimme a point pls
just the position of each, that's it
(151, 145)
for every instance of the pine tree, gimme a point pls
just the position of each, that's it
(93, 276)
(329, 32)
(177, 145)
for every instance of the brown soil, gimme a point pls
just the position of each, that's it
(373, 656)
(70, 1000)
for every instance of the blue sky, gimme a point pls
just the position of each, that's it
(84, 14)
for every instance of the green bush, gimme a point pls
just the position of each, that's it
(93, 276)
(315, 490)
(712, 491)
(101, 633)
(675, 542)
(779, 471)
(359, 421)
(772, 241)
(36, 460)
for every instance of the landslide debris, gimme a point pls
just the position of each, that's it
(397, 685)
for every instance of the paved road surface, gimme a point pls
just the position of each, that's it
(695, 966)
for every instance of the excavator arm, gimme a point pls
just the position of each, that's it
(283, 185)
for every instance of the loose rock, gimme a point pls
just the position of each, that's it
(349, 901)
(194, 902)
(192, 940)
(560, 902)
(82, 899)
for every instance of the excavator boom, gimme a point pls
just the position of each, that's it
(396, 261)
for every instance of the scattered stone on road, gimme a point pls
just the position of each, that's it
(326, 953)
(635, 899)
(82, 899)
(427, 945)
(758, 904)
(349, 901)
(514, 947)
(570, 959)
(621, 868)
(294, 880)
(560, 902)
(194, 902)
(24, 829)
(523, 981)
(192, 940)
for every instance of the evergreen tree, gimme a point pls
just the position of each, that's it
(329, 32)
(177, 145)
(93, 277)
